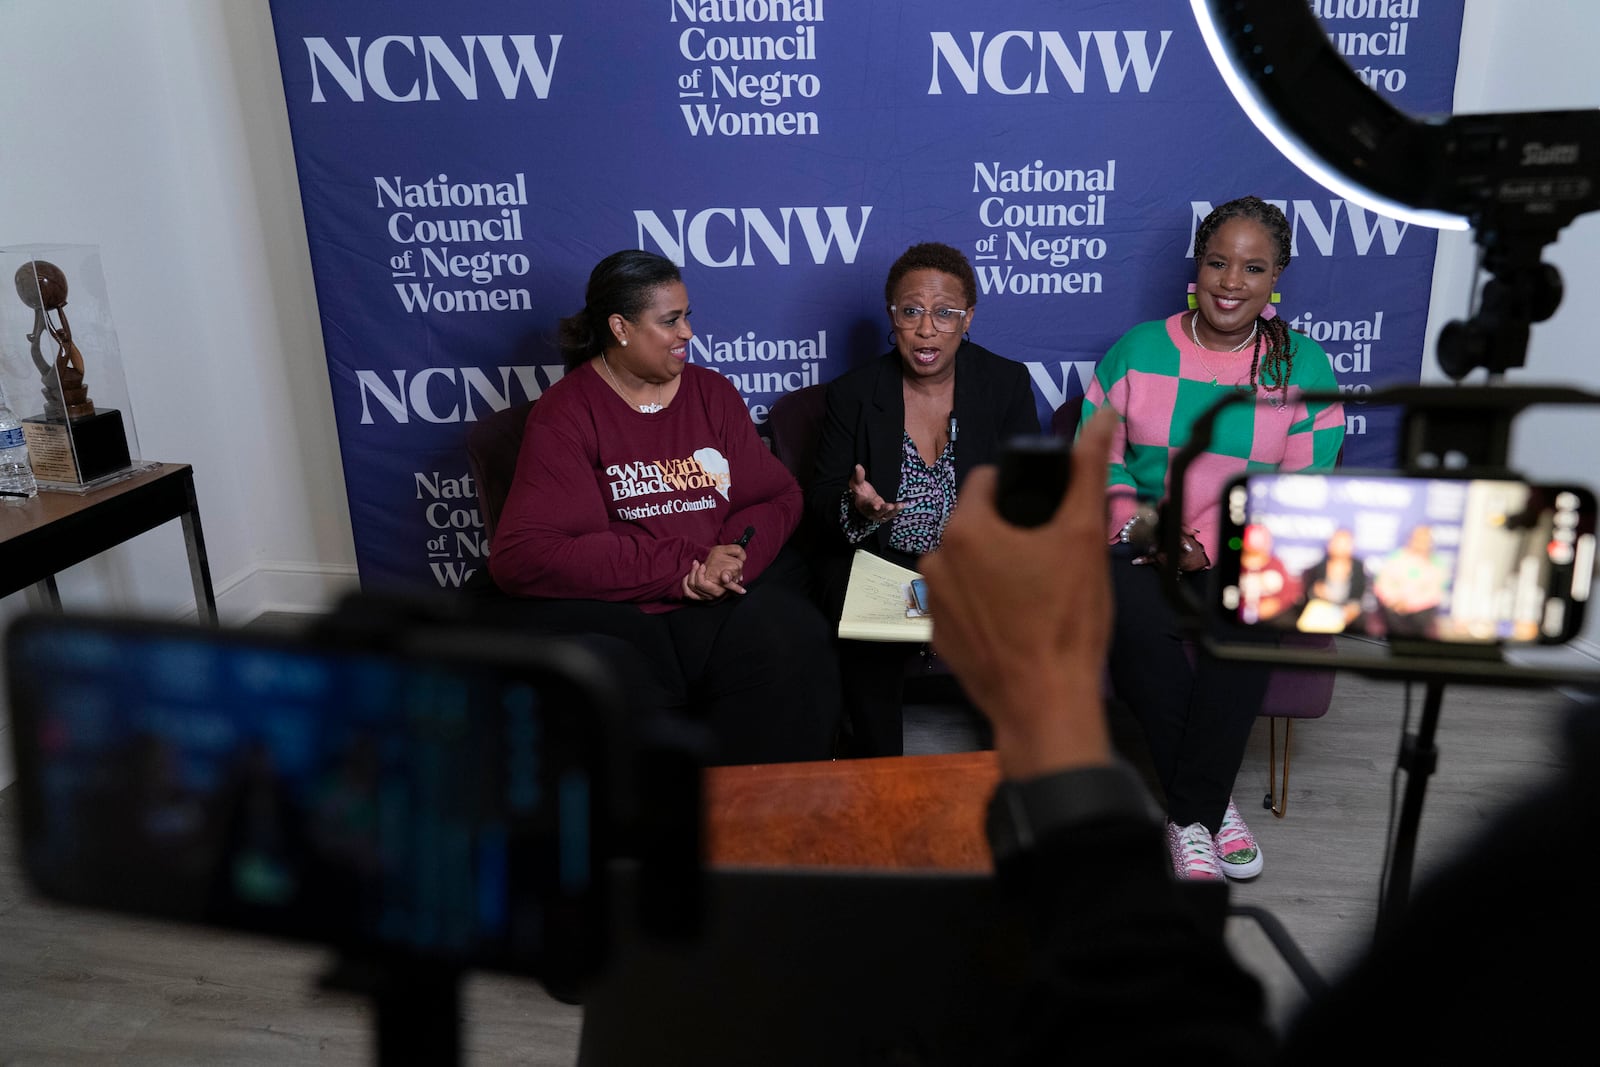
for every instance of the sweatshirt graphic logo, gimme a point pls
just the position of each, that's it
(707, 468)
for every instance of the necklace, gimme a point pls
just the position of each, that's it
(648, 409)
(1196, 336)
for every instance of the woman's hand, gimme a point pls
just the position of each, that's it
(698, 585)
(1193, 554)
(721, 573)
(868, 502)
(726, 565)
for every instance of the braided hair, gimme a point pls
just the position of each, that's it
(1273, 357)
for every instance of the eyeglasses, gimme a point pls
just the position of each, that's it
(945, 320)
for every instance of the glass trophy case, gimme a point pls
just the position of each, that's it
(62, 369)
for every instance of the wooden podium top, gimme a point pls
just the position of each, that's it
(898, 812)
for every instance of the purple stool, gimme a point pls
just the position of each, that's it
(1293, 693)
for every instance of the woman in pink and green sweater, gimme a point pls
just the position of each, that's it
(1161, 376)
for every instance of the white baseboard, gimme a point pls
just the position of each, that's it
(296, 587)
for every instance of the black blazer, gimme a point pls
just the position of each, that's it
(865, 419)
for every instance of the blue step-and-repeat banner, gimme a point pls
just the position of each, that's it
(463, 165)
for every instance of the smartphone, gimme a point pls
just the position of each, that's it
(919, 595)
(1486, 561)
(1035, 470)
(443, 800)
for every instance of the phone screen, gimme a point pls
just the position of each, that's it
(1467, 560)
(919, 595)
(403, 804)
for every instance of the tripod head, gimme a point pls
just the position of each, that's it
(1521, 290)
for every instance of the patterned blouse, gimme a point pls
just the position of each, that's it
(929, 493)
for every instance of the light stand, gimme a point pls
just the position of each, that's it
(1418, 758)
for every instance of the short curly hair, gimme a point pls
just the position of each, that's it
(932, 255)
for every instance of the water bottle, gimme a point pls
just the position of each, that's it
(17, 483)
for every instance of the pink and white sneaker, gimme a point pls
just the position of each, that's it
(1193, 855)
(1235, 846)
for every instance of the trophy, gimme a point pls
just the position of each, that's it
(71, 441)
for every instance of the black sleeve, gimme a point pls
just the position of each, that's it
(836, 462)
(1022, 410)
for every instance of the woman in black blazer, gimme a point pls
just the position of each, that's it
(899, 435)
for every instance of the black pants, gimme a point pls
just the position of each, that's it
(1196, 714)
(872, 673)
(759, 670)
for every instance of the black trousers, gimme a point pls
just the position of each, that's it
(872, 673)
(1195, 711)
(759, 670)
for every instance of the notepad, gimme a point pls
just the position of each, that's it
(875, 603)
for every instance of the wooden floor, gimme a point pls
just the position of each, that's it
(78, 988)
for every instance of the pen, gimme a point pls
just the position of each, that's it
(744, 538)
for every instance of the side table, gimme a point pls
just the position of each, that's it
(57, 530)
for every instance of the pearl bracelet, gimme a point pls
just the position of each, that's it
(1127, 529)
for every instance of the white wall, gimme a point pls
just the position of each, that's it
(1536, 56)
(157, 131)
